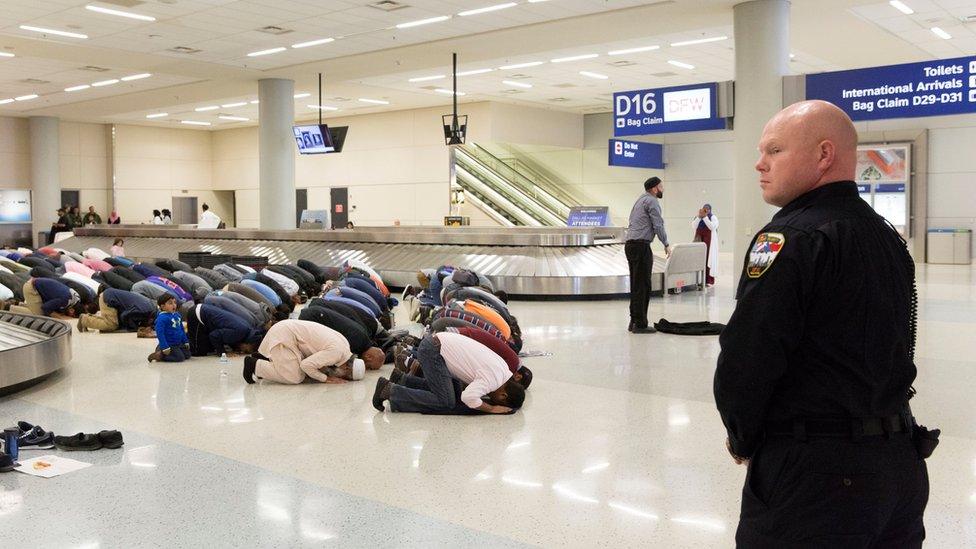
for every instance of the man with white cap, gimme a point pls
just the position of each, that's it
(295, 349)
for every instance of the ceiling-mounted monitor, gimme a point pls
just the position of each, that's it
(338, 134)
(314, 139)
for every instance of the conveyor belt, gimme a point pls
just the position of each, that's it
(31, 348)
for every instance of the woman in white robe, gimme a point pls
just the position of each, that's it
(706, 230)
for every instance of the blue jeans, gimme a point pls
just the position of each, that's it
(178, 353)
(436, 392)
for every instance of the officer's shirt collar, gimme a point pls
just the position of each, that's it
(830, 190)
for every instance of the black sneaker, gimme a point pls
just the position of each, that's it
(250, 364)
(6, 463)
(110, 439)
(80, 441)
(381, 393)
(36, 439)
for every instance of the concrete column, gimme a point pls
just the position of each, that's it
(45, 171)
(762, 56)
(276, 153)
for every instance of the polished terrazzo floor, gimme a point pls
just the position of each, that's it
(618, 445)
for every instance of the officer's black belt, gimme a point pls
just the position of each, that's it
(852, 428)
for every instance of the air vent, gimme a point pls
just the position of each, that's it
(559, 99)
(664, 74)
(271, 29)
(93, 68)
(622, 64)
(35, 81)
(564, 85)
(388, 5)
(184, 49)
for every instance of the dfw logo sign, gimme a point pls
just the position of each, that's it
(666, 110)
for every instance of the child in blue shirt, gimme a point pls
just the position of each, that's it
(174, 346)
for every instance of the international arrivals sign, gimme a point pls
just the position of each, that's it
(932, 88)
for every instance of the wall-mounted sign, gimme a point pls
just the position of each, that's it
(15, 206)
(885, 169)
(588, 216)
(931, 88)
(667, 110)
(636, 154)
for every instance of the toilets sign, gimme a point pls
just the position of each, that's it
(930, 88)
(666, 110)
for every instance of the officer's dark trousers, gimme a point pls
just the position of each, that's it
(834, 493)
(640, 261)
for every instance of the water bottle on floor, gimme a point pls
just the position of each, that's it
(223, 363)
(223, 358)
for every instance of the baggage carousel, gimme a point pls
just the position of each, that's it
(547, 263)
(31, 349)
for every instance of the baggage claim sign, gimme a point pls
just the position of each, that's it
(932, 88)
(667, 110)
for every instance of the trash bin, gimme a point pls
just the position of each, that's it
(950, 246)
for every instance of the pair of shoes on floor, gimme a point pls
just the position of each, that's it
(381, 393)
(155, 357)
(145, 332)
(34, 437)
(89, 442)
(396, 376)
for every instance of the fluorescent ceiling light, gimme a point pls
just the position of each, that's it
(232, 105)
(423, 22)
(374, 101)
(136, 77)
(157, 115)
(634, 50)
(680, 64)
(902, 7)
(476, 71)
(323, 107)
(426, 78)
(265, 52)
(194, 123)
(520, 65)
(6, 54)
(26, 97)
(77, 88)
(234, 118)
(312, 43)
(105, 83)
(487, 9)
(941, 33)
(596, 75)
(207, 108)
(5, 101)
(120, 13)
(302, 95)
(792, 56)
(516, 84)
(448, 92)
(700, 41)
(53, 31)
(255, 102)
(575, 58)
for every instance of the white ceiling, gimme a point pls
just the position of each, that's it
(370, 58)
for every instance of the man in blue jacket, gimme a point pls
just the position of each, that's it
(229, 305)
(211, 329)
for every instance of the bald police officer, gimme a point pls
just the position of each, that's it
(646, 222)
(817, 363)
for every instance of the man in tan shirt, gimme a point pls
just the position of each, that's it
(293, 349)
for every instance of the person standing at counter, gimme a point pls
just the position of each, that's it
(706, 230)
(646, 222)
(157, 217)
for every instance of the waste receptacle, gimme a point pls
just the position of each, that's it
(950, 246)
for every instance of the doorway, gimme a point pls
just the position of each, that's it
(340, 207)
(70, 197)
(301, 204)
(184, 210)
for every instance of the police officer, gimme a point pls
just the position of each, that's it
(816, 366)
(645, 223)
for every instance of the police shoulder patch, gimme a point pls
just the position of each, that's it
(764, 251)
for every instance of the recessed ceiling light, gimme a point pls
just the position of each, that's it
(5, 101)
(234, 118)
(6, 54)
(427, 78)
(516, 84)
(232, 105)
(374, 101)
(77, 88)
(476, 71)
(136, 77)
(312, 43)
(680, 64)
(101, 83)
(157, 115)
(302, 95)
(449, 92)
(520, 65)
(596, 75)
(699, 41)
(902, 7)
(255, 102)
(427, 21)
(634, 50)
(265, 52)
(53, 31)
(575, 58)
(194, 123)
(120, 13)
(323, 107)
(207, 108)
(26, 97)
(941, 33)
(487, 9)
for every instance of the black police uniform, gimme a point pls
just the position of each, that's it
(814, 378)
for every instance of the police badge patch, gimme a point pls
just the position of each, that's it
(763, 253)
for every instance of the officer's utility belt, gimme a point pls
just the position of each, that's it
(853, 428)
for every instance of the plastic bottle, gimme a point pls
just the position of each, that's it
(223, 358)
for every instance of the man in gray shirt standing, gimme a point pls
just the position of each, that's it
(645, 223)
